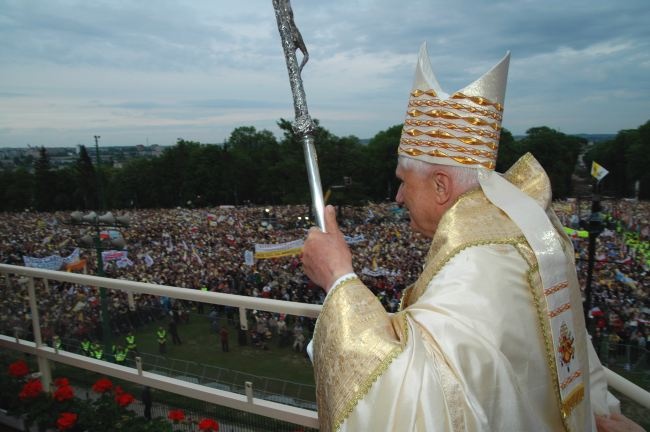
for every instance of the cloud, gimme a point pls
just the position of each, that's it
(195, 69)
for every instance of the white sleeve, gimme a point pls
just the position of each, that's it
(602, 401)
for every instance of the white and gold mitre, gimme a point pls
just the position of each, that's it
(462, 129)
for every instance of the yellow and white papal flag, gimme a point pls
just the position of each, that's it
(598, 171)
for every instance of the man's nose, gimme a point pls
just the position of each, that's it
(399, 198)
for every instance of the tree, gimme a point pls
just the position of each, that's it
(381, 160)
(509, 151)
(43, 182)
(85, 181)
(16, 191)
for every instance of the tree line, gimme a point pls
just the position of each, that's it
(254, 167)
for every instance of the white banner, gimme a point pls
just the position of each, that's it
(72, 258)
(379, 272)
(113, 255)
(249, 258)
(356, 239)
(52, 262)
(263, 251)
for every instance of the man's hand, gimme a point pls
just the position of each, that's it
(326, 256)
(617, 423)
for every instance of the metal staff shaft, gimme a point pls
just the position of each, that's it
(303, 126)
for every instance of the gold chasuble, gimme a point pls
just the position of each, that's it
(472, 346)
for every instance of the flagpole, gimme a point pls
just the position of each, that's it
(303, 126)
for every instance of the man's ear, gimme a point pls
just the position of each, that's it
(442, 185)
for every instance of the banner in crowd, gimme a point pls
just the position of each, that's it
(380, 271)
(355, 239)
(76, 266)
(72, 258)
(148, 260)
(267, 251)
(123, 262)
(113, 255)
(249, 258)
(576, 233)
(52, 262)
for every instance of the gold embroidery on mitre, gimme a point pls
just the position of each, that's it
(437, 133)
(478, 100)
(465, 160)
(429, 92)
(453, 126)
(488, 154)
(455, 105)
(448, 115)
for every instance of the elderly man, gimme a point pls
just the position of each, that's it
(491, 336)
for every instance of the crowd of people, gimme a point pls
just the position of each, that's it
(205, 249)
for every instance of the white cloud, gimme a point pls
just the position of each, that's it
(199, 69)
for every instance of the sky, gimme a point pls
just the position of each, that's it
(136, 72)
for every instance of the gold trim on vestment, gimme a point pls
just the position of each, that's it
(355, 341)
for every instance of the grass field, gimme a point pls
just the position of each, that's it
(201, 348)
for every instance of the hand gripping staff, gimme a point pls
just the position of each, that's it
(303, 127)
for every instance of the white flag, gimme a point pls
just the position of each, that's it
(598, 171)
(249, 258)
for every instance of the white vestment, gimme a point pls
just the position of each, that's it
(471, 349)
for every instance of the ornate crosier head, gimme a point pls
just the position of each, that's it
(461, 129)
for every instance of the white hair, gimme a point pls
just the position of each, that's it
(465, 178)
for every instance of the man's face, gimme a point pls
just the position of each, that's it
(417, 194)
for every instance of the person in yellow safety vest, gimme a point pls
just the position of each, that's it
(97, 351)
(85, 347)
(120, 355)
(130, 343)
(56, 343)
(162, 340)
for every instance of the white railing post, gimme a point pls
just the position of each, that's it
(243, 320)
(248, 386)
(43, 363)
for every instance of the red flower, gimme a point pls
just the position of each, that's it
(61, 382)
(102, 385)
(124, 399)
(208, 425)
(66, 420)
(119, 390)
(63, 393)
(18, 369)
(176, 415)
(31, 389)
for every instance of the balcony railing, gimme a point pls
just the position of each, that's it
(246, 402)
